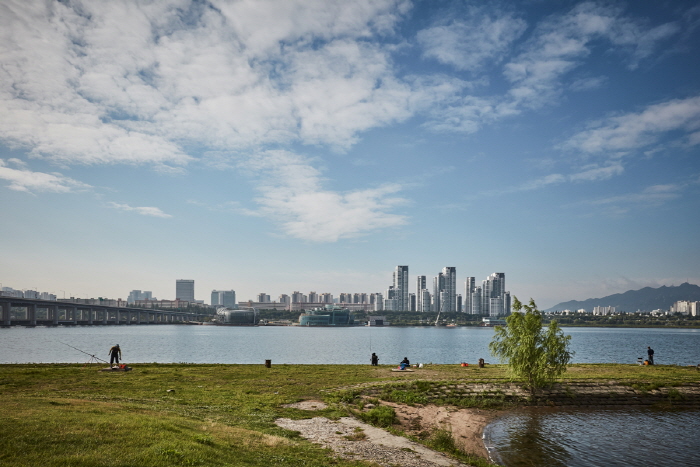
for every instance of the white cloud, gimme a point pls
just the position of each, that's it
(473, 40)
(537, 76)
(652, 196)
(22, 179)
(562, 42)
(291, 195)
(143, 210)
(593, 172)
(637, 130)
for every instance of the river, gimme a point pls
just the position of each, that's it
(314, 345)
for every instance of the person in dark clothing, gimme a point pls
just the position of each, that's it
(374, 359)
(404, 363)
(650, 352)
(115, 353)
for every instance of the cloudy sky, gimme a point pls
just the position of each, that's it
(272, 146)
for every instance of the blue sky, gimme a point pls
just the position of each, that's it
(274, 146)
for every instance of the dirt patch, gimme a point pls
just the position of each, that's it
(307, 405)
(352, 439)
(467, 425)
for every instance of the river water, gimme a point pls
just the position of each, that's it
(314, 345)
(630, 437)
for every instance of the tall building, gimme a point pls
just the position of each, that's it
(445, 290)
(420, 285)
(138, 295)
(184, 290)
(225, 298)
(263, 298)
(401, 288)
(476, 301)
(469, 287)
(495, 300)
(450, 287)
(425, 301)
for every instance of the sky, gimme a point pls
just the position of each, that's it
(313, 145)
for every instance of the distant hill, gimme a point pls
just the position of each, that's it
(646, 299)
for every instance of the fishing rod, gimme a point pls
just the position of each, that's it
(86, 353)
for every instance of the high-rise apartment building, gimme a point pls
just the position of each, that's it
(450, 287)
(469, 287)
(401, 288)
(226, 298)
(495, 300)
(445, 290)
(420, 285)
(184, 290)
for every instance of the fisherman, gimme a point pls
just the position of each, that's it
(374, 359)
(115, 353)
(404, 363)
(650, 352)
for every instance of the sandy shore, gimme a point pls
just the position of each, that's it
(350, 438)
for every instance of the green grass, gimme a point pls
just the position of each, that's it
(71, 415)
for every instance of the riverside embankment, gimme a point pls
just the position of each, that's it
(181, 414)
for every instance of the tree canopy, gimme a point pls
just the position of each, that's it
(536, 354)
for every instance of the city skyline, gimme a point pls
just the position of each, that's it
(309, 145)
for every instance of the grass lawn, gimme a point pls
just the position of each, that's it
(209, 415)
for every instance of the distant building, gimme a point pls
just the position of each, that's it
(685, 307)
(401, 288)
(604, 310)
(378, 321)
(184, 290)
(420, 285)
(263, 298)
(225, 298)
(469, 287)
(139, 295)
(330, 315)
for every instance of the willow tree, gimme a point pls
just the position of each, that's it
(534, 353)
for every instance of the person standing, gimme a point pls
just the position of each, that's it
(374, 359)
(650, 353)
(115, 353)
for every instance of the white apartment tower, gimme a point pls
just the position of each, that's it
(401, 288)
(445, 290)
(495, 300)
(420, 285)
(469, 287)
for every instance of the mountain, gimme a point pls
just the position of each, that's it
(646, 299)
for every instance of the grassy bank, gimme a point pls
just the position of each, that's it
(164, 415)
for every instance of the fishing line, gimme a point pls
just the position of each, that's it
(86, 353)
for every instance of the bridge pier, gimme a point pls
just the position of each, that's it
(53, 311)
(6, 321)
(31, 314)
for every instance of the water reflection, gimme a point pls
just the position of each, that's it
(574, 437)
(527, 444)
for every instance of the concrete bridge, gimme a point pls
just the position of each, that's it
(29, 312)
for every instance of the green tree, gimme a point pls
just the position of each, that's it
(535, 354)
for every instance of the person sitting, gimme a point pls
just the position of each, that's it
(404, 363)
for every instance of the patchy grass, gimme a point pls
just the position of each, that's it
(58, 415)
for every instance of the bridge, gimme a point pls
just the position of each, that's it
(31, 312)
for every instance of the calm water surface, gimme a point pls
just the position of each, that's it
(632, 437)
(290, 344)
